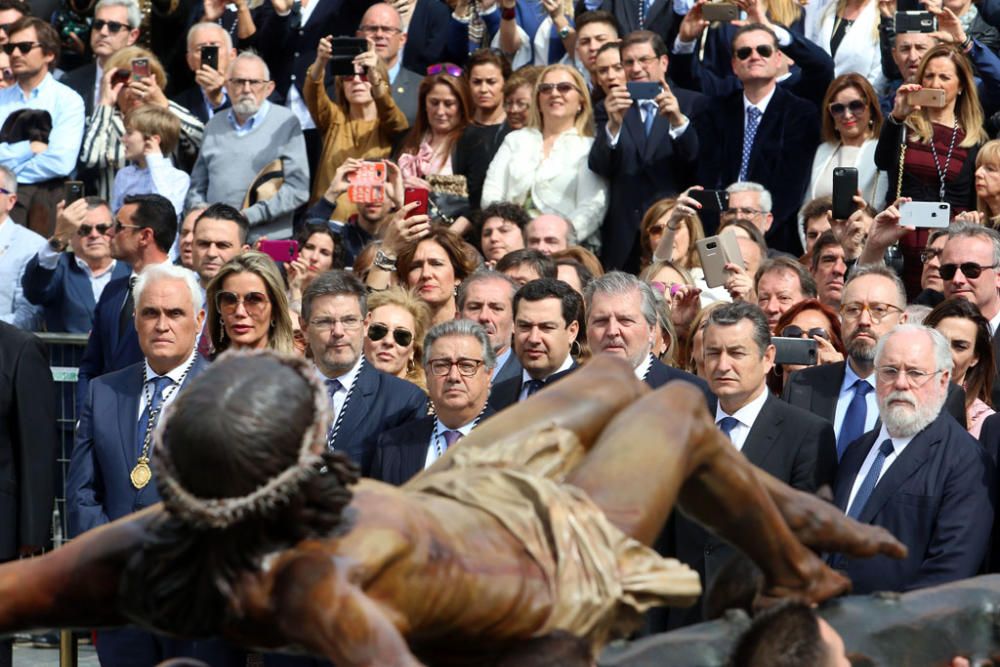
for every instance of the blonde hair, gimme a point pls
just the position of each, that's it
(584, 118)
(784, 12)
(123, 60)
(967, 108)
(421, 312)
(149, 120)
(988, 152)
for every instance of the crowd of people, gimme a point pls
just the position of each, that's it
(552, 180)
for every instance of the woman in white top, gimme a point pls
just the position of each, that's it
(851, 124)
(848, 31)
(543, 167)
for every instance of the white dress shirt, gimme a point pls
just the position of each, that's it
(643, 367)
(847, 394)
(525, 378)
(346, 380)
(762, 106)
(49, 259)
(18, 245)
(176, 374)
(898, 445)
(438, 441)
(746, 416)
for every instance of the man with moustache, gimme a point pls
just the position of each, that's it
(920, 474)
(843, 392)
(487, 298)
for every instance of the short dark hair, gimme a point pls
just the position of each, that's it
(506, 210)
(786, 635)
(610, 46)
(47, 35)
(597, 16)
(815, 208)
(226, 212)
(16, 5)
(543, 265)
(334, 283)
(93, 201)
(488, 57)
(646, 37)
(571, 302)
(307, 232)
(156, 213)
(732, 313)
(583, 274)
(752, 27)
(807, 284)
(826, 240)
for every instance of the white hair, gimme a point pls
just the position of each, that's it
(156, 272)
(131, 6)
(8, 180)
(750, 186)
(249, 55)
(903, 421)
(227, 40)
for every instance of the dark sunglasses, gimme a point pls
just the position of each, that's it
(377, 332)
(793, 331)
(763, 50)
(447, 68)
(6, 27)
(927, 254)
(563, 87)
(23, 47)
(969, 270)
(113, 27)
(85, 230)
(253, 302)
(856, 107)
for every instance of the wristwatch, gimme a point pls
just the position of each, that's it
(57, 244)
(384, 262)
(564, 32)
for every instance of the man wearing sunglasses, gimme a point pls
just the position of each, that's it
(41, 166)
(115, 26)
(458, 361)
(68, 285)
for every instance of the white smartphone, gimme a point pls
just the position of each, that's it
(925, 214)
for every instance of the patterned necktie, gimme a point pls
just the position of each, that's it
(159, 383)
(450, 438)
(871, 479)
(727, 424)
(649, 106)
(644, 6)
(332, 387)
(753, 122)
(853, 426)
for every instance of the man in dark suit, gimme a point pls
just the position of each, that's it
(633, 15)
(793, 445)
(487, 297)
(762, 134)
(364, 401)
(646, 148)
(546, 321)
(144, 230)
(843, 393)
(208, 96)
(28, 449)
(458, 360)
(920, 475)
(382, 25)
(68, 285)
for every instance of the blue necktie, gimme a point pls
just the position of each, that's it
(753, 122)
(727, 424)
(159, 383)
(534, 386)
(853, 426)
(651, 109)
(868, 485)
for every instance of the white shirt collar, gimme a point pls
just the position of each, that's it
(565, 366)
(175, 373)
(347, 378)
(746, 415)
(994, 323)
(643, 367)
(762, 105)
(464, 429)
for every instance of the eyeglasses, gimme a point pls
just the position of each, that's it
(349, 323)
(877, 311)
(793, 331)
(854, 106)
(562, 87)
(120, 226)
(113, 27)
(763, 50)
(447, 68)
(927, 254)
(466, 367)
(664, 288)
(741, 210)
(376, 29)
(970, 270)
(6, 27)
(253, 302)
(85, 230)
(241, 83)
(24, 47)
(516, 105)
(914, 377)
(642, 60)
(402, 337)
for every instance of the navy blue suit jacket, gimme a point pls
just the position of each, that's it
(511, 369)
(506, 393)
(379, 402)
(936, 498)
(401, 452)
(659, 374)
(106, 350)
(433, 37)
(98, 488)
(641, 170)
(65, 293)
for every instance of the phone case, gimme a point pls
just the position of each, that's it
(280, 251)
(928, 97)
(932, 214)
(713, 260)
(419, 195)
(711, 200)
(845, 187)
(643, 90)
(367, 184)
(801, 351)
(720, 11)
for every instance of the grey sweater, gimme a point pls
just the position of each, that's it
(228, 164)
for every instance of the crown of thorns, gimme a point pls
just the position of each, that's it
(276, 492)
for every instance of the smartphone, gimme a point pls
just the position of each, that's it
(367, 183)
(845, 188)
(280, 251)
(799, 351)
(643, 90)
(715, 252)
(926, 97)
(925, 214)
(344, 51)
(416, 195)
(915, 22)
(711, 200)
(140, 68)
(210, 55)
(720, 11)
(72, 190)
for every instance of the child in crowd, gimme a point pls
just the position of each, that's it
(151, 134)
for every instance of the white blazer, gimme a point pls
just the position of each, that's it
(872, 182)
(561, 185)
(859, 51)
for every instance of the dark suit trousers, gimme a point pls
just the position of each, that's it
(36, 205)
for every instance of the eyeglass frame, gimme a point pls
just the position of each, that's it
(10, 47)
(457, 363)
(844, 108)
(83, 231)
(746, 210)
(376, 29)
(954, 268)
(240, 83)
(760, 49)
(114, 27)
(810, 332)
(910, 374)
(348, 323)
(865, 306)
(241, 299)
(549, 88)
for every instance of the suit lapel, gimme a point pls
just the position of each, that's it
(849, 467)
(763, 433)
(768, 122)
(632, 123)
(902, 469)
(354, 411)
(413, 455)
(127, 399)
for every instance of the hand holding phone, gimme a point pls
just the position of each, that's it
(210, 55)
(418, 195)
(367, 183)
(140, 69)
(845, 187)
(280, 251)
(932, 98)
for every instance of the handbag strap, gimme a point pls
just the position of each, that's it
(902, 159)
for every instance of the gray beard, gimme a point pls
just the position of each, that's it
(860, 352)
(246, 108)
(905, 422)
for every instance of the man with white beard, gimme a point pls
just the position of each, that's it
(920, 474)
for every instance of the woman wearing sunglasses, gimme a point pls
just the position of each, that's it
(813, 320)
(247, 307)
(968, 334)
(852, 121)
(361, 123)
(544, 166)
(394, 342)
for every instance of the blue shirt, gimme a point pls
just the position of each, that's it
(17, 246)
(67, 111)
(847, 394)
(159, 177)
(252, 122)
